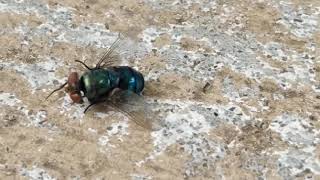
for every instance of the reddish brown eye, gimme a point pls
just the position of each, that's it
(73, 79)
(76, 98)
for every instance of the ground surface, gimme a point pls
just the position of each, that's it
(234, 83)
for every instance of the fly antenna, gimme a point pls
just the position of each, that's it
(57, 90)
(84, 64)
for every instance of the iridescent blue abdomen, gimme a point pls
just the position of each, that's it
(129, 79)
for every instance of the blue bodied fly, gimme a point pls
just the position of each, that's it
(116, 85)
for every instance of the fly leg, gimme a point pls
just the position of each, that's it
(94, 103)
(103, 99)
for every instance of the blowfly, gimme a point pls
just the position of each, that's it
(118, 86)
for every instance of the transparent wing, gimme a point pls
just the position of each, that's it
(136, 108)
(107, 58)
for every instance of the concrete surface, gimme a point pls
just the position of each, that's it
(234, 85)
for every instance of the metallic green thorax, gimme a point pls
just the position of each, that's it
(97, 83)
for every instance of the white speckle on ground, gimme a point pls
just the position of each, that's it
(297, 73)
(188, 124)
(103, 140)
(149, 35)
(294, 161)
(37, 118)
(94, 131)
(115, 130)
(72, 110)
(36, 174)
(295, 130)
(180, 126)
(140, 177)
(9, 99)
(38, 74)
(34, 118)
(302, 138)
(297, 21)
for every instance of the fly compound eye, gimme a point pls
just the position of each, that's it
(73, 79)
(76, 97)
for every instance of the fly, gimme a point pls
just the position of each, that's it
(119, 86)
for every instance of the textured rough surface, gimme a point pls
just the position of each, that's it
(235, 84)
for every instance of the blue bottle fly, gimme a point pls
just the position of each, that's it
(99, 83)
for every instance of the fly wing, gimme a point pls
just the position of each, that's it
(135, 107)
(107, 58)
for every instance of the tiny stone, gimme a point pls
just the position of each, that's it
(109, 128)
(205, 165)
(73, 26)
(179, 131)
(30, 112)
(297, 20)
(154, 50)
(206, 87)
(106, 25)
(55, 82)
(313, 118)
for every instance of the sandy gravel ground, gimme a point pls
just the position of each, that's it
(234, 86)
